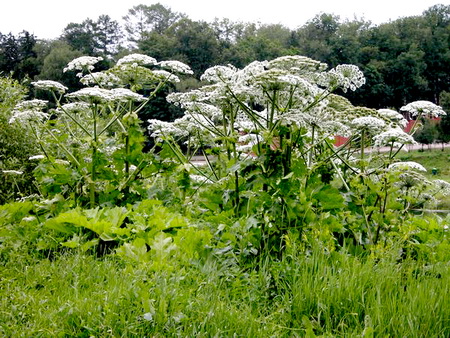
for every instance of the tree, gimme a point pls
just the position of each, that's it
(315, 38)
(444, 124)
(196, 44)
(61, 53)
(428, 133)
(9, 53)
(80, 36)
(107, 35)
(100, 37)
(143, 19)
(17, 55)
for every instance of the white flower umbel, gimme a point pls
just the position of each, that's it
(28, 115)
(100, 79)
(442, 186)
(407, 166)
(394, 135)
(176, 67)
(50, 85)
(346, 77)
(426, 108)
(31, 105)
(161, 129)
(166, 76)
(92, 95)
(139, 59)
(393, 116)
(297, 64)
(83, 63)
(75, 107)
(218, 74)
(125, 95)
(368, 123)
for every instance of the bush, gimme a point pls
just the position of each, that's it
(16, 146)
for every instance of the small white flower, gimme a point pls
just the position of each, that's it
(12, 172)
(50, 85)
(36, 157)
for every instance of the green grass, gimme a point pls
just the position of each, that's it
(78, 295)
(434, 158)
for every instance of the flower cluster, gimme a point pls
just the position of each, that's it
(176, 67)
(369, 123)
(92, 95)
(50, 85)
(29, 111)
(394, 136)
(83, 63)
(297, 64)
(426, 108)
(345, 77)
(407, 166)
(218, 74)
(75, 107)
(166, 76)
(161, 129)
(393, 116)
(138, 59)
(125, 95)
(442, 186)
(100, 79)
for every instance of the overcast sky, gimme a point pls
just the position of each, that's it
(47, 18)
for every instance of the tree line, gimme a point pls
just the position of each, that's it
(403, 60)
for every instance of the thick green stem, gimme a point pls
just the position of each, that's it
(363, 140)
(92, 197)
(310, 154)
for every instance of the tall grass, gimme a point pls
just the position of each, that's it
(302, 294)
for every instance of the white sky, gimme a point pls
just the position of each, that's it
(47, 18)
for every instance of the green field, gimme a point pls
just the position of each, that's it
(433, 158)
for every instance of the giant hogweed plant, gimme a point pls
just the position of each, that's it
(266, 133)
(91, 144)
